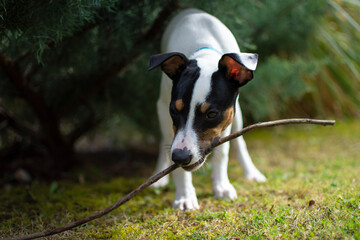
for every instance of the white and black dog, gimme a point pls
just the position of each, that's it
(203, 70)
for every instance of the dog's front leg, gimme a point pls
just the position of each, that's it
(221, 185)
(185, 196)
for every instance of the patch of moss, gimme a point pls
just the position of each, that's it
(311, 192)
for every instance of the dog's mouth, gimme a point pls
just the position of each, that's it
(199, 163)
(194, 166)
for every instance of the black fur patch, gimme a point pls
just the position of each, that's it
(183, 89)
(222, 96)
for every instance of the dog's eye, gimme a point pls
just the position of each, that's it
(211, 114)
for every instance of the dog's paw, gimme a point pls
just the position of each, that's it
(162, 182)
(255, 175)
(224, 190)
(186, 200)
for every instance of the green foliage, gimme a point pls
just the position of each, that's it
(277, 82)
(263, 25)
(69, 49)
(302, 164)
(334, 42)
(30, 25)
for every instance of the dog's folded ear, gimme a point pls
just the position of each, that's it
(171, 63)
(238, 67)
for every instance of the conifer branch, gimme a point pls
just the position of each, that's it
(277, 16)
(161, 174)
(152, 33)
(43, 4)
(149, 36)
(158, 24)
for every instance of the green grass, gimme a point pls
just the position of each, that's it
(312, 191)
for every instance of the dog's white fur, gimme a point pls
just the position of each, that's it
(189, 31)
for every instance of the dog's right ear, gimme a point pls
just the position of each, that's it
(239, 67)
(171, 63)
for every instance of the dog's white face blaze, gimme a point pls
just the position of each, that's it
(186, 137)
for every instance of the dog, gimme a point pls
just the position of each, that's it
(203, 69)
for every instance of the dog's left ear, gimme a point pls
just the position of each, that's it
(171, 63)
(238, 67)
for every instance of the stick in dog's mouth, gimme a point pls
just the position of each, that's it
(194, 166)
(198, 164)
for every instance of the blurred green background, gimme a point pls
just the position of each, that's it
(73, 73)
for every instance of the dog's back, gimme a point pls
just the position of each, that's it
(192, 29)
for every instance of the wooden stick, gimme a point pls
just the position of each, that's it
(161, 174)
(100, 213)
(271, 124)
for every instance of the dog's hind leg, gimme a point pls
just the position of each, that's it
(239, 149)
(163, 162)
(167, 134)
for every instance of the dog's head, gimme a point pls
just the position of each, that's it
(202, 99)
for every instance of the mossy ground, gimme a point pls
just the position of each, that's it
(312, 191)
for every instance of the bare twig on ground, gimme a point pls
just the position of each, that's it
(159, 175)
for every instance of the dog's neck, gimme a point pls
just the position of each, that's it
(208, 52)
(208, 48)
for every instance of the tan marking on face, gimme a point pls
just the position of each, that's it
(204, 107)
(174, 129)
(228, 118)
(206, 138)
(179, 104)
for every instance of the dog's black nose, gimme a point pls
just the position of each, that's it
(181, 156)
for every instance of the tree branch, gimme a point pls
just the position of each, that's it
(34, 100)
(159, 175)
(86, 126)
(49, 122)
(22, 56)
(13, 122)
(31, 70)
